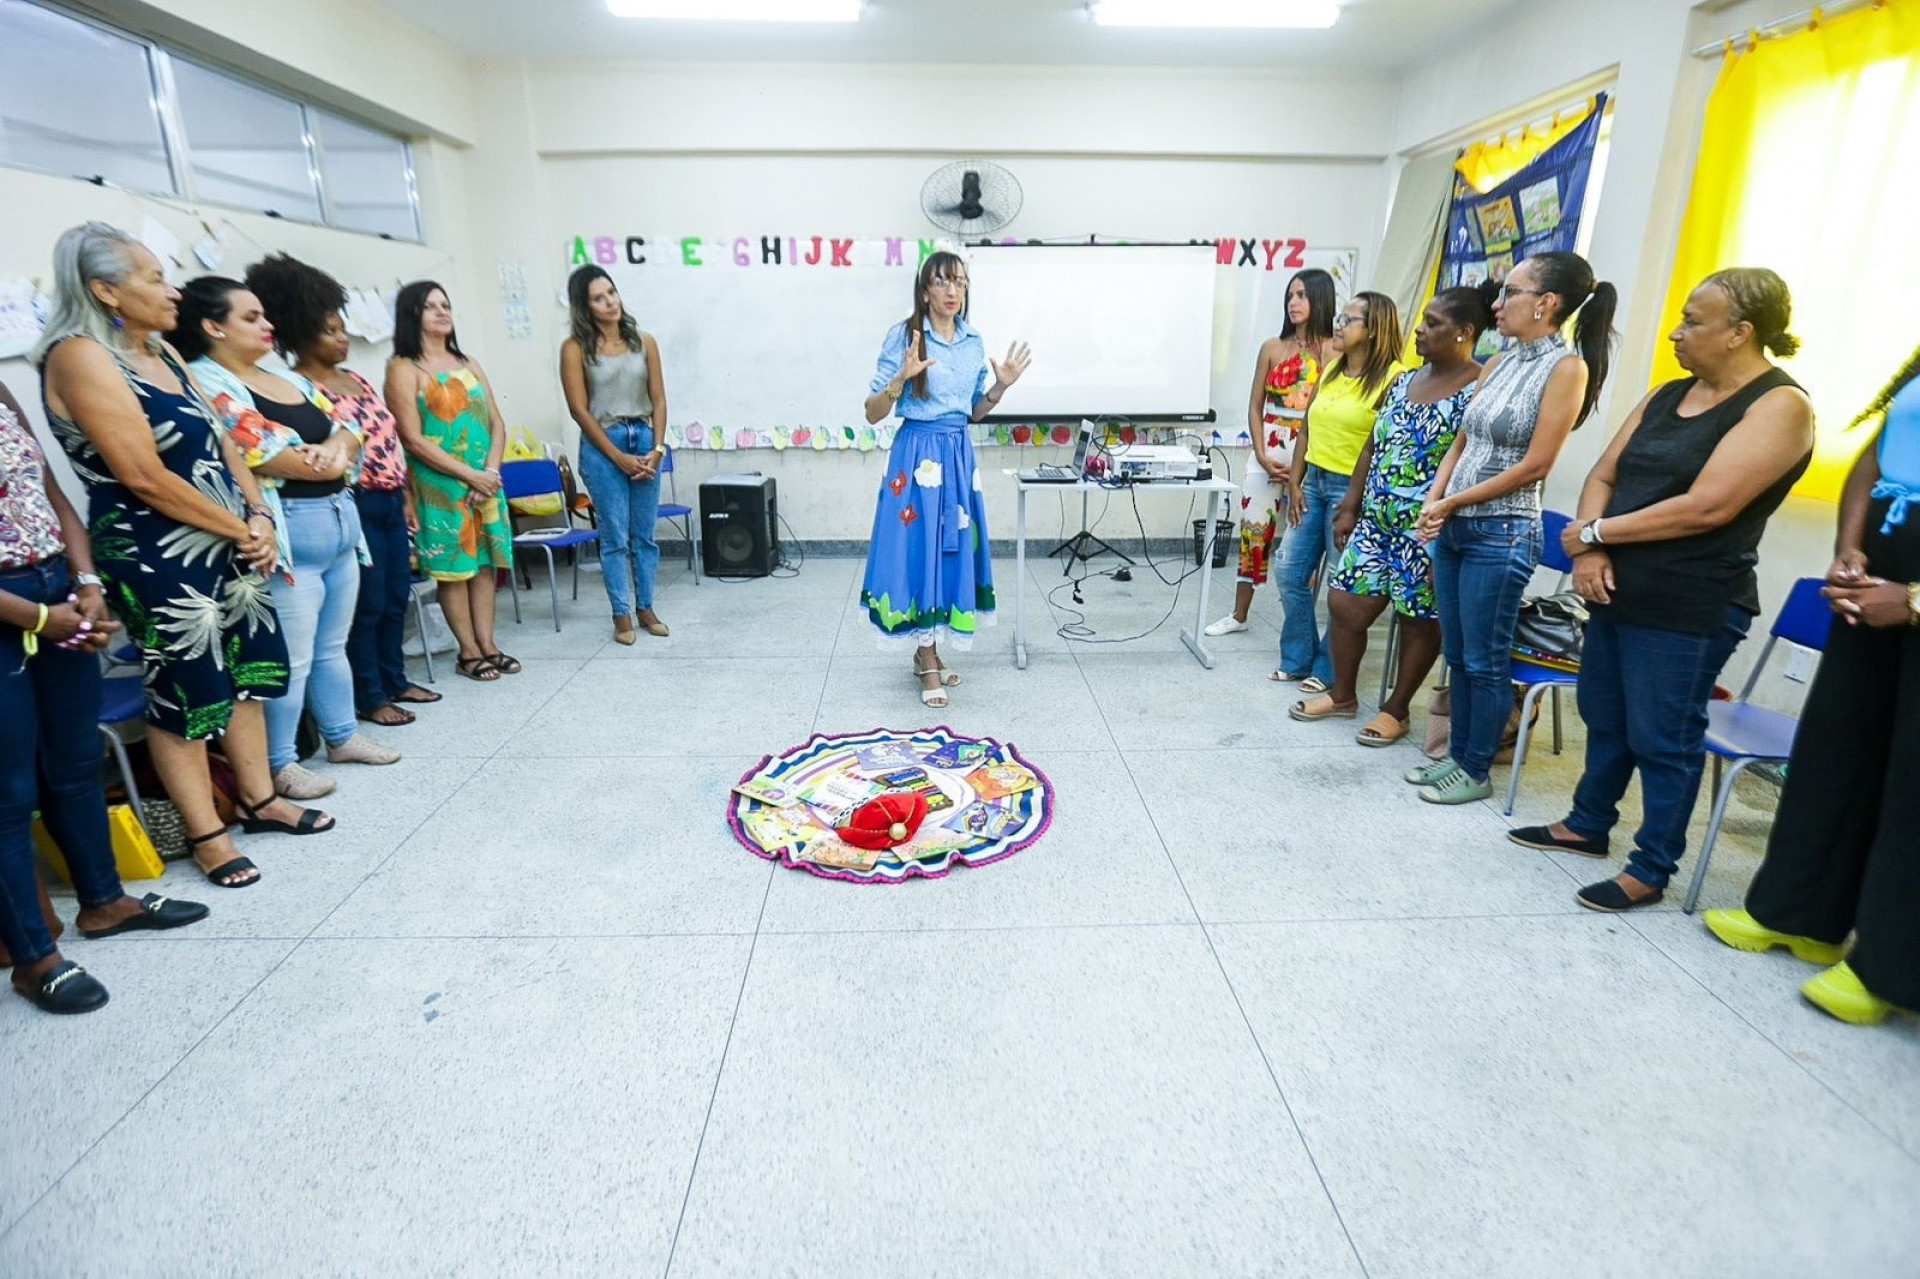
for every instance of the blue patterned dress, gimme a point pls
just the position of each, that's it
(929, 568)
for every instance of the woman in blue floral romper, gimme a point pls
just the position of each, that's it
(1384, 561)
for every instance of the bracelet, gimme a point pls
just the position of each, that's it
(1913, 605)
(260, 510)
(30, 641)
(40, 625)
(83, 580)
(1597, 539)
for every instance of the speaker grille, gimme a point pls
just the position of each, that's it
(734, 546)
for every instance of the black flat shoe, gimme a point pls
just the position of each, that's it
(67, 989)
(254, 824)
(157, 913)
(1610, 898)
(1544, 838)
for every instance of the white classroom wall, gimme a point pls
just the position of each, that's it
(717, 150)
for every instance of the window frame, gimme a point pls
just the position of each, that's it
(164, 92)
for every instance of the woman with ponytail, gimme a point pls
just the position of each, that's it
(1663, 550)
(1483, 517)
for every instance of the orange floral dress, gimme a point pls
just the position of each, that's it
(460, 533)
(1287, 391)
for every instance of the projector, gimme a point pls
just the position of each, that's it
(1141, 463)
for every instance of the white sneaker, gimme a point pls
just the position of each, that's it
(1226, 626)
(295, 782)
(361, 749)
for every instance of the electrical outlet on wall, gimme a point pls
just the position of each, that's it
(1800, 664)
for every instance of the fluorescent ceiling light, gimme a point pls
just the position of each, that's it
(1312, 14)
(739, 10)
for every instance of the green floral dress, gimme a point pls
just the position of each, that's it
(203, 620)
(458, 535)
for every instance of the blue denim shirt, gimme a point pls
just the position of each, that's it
(959, 375)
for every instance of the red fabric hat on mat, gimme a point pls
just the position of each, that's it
(885, 821)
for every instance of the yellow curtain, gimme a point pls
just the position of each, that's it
(1810, 164)
(1485, 165)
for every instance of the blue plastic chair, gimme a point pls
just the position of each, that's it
(536, 477)
(1742, 734)
(671, 509)
(123, 698)
(1540, 681)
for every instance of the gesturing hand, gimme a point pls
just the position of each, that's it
(1007, 372)
(915, 361)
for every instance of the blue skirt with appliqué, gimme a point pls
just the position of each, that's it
(929, 565)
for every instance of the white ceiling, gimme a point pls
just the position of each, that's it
(1371, 35)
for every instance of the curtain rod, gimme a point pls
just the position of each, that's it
(1793, 24)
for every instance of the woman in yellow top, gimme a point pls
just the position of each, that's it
(1366, 344)
(451, 426)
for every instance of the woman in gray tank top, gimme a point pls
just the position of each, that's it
(1483, 517)
(610, 371)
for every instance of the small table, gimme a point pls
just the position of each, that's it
(1212, 488)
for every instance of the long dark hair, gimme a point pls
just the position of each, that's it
(1321, 304)
(586, 329)
(1883, 401)
(208, 298)
(1592, 303)
(941, 263)
(407, 309)
(297, 298)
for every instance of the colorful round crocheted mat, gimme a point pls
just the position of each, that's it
(985, 802)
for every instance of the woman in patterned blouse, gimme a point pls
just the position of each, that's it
(306, 305)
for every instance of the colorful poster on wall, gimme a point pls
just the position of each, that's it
(1537, 210)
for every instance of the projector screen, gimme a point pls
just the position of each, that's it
(1115, 329)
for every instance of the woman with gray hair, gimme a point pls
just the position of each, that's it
(180, 533)
(1663, 552)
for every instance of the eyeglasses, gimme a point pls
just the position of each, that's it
(941, 282)
(1509, 291)
(1343, 320)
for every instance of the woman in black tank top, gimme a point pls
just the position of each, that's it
(1664, 547)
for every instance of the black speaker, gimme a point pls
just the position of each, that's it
(739, 525)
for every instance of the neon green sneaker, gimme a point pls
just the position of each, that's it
(1839, 992)
(1742, 931)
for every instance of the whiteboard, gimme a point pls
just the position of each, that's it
(754, 353)
(1115, 329)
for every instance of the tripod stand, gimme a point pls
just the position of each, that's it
(1084, 545)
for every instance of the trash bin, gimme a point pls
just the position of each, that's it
(1222, 539)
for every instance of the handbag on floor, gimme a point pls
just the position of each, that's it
(1552, 630)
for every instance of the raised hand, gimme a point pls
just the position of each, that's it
(1007, 372)
(915, 361)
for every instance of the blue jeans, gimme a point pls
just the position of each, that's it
(49, 759)
(316, 612)
(1303, 645)
(386, 588)
(626, 512)
(1643, 695)
(1481, 567)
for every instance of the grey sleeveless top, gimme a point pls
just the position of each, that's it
(617, 387)
(1498, 426)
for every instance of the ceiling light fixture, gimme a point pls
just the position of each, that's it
(1300, 14)
(739, 10)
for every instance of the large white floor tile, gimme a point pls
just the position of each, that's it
(1553, 1096)
(443, 1107)
(1076, 1102)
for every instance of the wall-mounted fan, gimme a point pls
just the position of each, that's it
(971, 197)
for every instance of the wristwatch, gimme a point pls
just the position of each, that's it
(1590, 534)
(83, 580)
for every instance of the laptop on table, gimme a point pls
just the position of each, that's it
(1049, 473)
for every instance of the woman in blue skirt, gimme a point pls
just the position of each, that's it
(929, 566)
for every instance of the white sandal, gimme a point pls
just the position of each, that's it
(934, 698)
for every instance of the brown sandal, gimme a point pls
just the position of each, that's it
(1322, 706)
(1382, 730)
